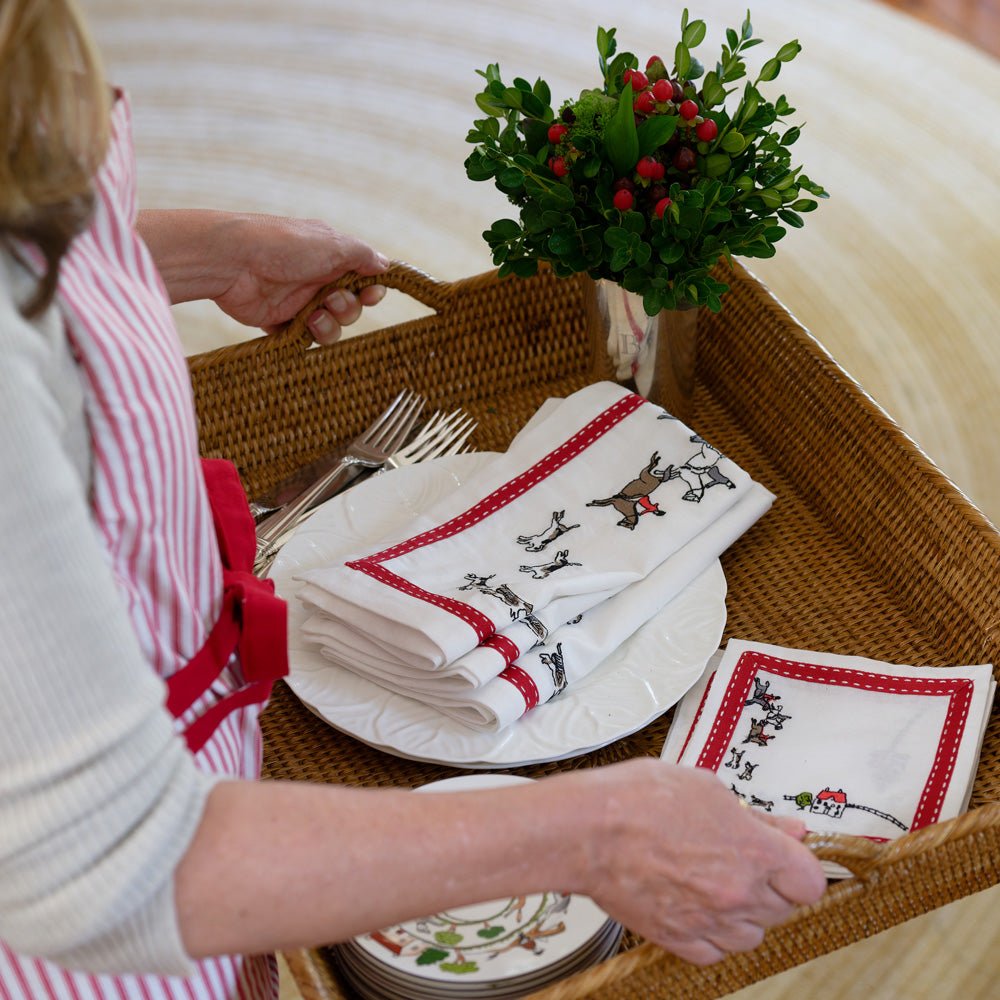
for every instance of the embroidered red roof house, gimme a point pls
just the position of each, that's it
(830, 803)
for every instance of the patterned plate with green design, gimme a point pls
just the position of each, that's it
(522, 936)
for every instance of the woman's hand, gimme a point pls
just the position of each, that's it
(261, 269)
(684, 864)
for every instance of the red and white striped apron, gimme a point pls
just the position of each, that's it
(153, 510)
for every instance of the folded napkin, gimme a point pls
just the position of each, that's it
(848, 744)
(485, 589)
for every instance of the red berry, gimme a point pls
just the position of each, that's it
(646, 167)
(556, 133)
(657, 172)
(688, 109)
(645, 103)
(684, 158)
(637, 79)
(558, 166)
(707, 130)
(623, 200)
(651, 60)
(661, 206)
(663, 91)
(627, 77)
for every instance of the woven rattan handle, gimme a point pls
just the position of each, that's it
(400, 275)
(864, 858)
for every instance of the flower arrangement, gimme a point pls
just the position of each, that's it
(647, 180)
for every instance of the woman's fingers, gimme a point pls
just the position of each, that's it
(339, 309)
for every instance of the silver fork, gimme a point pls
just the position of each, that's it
(370, 450)
(439, 437)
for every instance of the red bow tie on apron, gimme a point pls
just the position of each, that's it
(253, 621)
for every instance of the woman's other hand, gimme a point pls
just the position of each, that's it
(684, 864)
(261, 269)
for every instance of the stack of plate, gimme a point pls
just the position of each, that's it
(502, 949)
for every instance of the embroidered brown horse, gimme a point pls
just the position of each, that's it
(632, 499)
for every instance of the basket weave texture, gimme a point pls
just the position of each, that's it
(869, 550)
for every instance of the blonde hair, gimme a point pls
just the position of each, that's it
(54, 105)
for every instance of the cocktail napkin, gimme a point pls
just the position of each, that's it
(848, 744)
(604, 492)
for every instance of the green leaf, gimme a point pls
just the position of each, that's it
(652, 303)
(671, 253)
(505, 229)
(606, 43)
(654, 132)
(694, 34)
(804, 205)
(633, 222)
(770, 197)
(746, 30)
(770, 70)
(620, 137)
(696, 70)
(497, 89)
(712, 90)
(559, 197)
(511, 178)
(620, 258)
(717, 164)
(525, 268)
(490, 105)
(790, 136)
(733, 39)
(562, 244)
(733, 142)
(792, 218)
(616, 237)
(513, 97)
(532, 105)
(542, 92)
(788, 51)
(682, 61)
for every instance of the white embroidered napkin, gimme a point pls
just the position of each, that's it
(848, 744)
(589, 501)
(570, 652)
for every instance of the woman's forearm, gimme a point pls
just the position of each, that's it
(194, 249)
(666, 850)
(281, 865)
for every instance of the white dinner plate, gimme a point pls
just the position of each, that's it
(648, 674)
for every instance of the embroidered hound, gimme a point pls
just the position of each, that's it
(536, 543)
(557, 668)
(520, 610)
(735, 756)
(543, 570)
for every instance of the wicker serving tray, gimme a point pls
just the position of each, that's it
(869, 550)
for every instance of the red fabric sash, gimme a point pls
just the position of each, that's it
(253, 621)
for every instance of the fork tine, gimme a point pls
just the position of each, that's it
(386, 416)
(392, 433)
(458, 434)
(438, 428)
